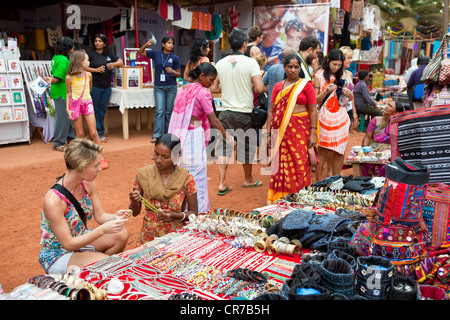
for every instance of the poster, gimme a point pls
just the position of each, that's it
(287, 25)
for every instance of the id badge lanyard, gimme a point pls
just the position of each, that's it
(163, 76)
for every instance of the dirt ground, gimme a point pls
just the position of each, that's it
(28, 170)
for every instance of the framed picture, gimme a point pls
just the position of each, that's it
(6, 114)
(15, 81)
(4, 81)
(5, 97)
(19, 113)
(2, 64)
(17, 97)
(13, 65)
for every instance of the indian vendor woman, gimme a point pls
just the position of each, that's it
(378, 137)
(164, 188)
(66, 239)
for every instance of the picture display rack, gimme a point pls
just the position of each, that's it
(43, 105)
(14, 124)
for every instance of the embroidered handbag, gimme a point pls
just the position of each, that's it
(436, 214)
(403, 246)
(402, 197)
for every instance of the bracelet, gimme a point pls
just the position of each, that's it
(184, 217)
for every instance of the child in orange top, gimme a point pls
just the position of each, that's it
(79, 84)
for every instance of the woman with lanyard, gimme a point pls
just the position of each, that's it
(102, 61)
(167, 70)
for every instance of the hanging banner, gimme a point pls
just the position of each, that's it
(287, 25)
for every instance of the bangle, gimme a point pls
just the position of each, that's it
(184, 216)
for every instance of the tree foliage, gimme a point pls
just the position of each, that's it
(410, 14)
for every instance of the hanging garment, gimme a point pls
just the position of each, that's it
(163, 8)
(53, 35)
(234, 18)
(357, 9)
(204, 21)
(185, 22)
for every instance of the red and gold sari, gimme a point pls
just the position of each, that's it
(290, 132)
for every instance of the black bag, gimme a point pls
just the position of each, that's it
(259, 113)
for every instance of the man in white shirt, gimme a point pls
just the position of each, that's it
(238, 76)
(308, 49)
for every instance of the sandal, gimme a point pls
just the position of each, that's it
(104, 139)
(104, 164)
(59, 148)
(153, 140)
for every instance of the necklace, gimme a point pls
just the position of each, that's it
(284, 82)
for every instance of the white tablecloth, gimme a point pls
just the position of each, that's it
(129, 99)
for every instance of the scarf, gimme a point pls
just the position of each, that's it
(152, 184)
(182, 112)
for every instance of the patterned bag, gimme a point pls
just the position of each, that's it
(403, 246)
(402, 197)
(431, 71)
(444, 72)
(436, 214)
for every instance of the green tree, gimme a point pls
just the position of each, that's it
(411, 13)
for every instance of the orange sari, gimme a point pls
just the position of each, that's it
(290, 165)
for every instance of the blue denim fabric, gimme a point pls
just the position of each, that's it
(100, 98)
(164, 100)
(64, 129)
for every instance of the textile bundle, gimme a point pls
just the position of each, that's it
(423, 137)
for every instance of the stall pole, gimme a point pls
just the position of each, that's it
(136, 32)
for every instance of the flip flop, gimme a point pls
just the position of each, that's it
(224, 192)
(256, 184)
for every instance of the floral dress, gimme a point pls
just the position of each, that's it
(152, 227)
(52, 249)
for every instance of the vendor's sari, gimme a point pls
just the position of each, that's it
(193, 140)
(333, 120)
(290, 166)
(380, 141)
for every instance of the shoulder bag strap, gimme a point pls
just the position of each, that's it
(72, 199)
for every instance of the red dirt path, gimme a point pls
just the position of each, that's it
(28, 170)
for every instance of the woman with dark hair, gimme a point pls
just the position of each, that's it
(102, 61)
(166, 187)
(333, 118)
(292, 123)
(378, 137)
(192, 117)
(64, 129)
(199, 53)
(167, 70)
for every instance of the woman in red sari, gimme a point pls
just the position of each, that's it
(293, 109)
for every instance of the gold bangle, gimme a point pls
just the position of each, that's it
(274, 248)
(260, 246)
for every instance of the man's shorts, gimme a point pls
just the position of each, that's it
(239, 125)
(85, 107)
